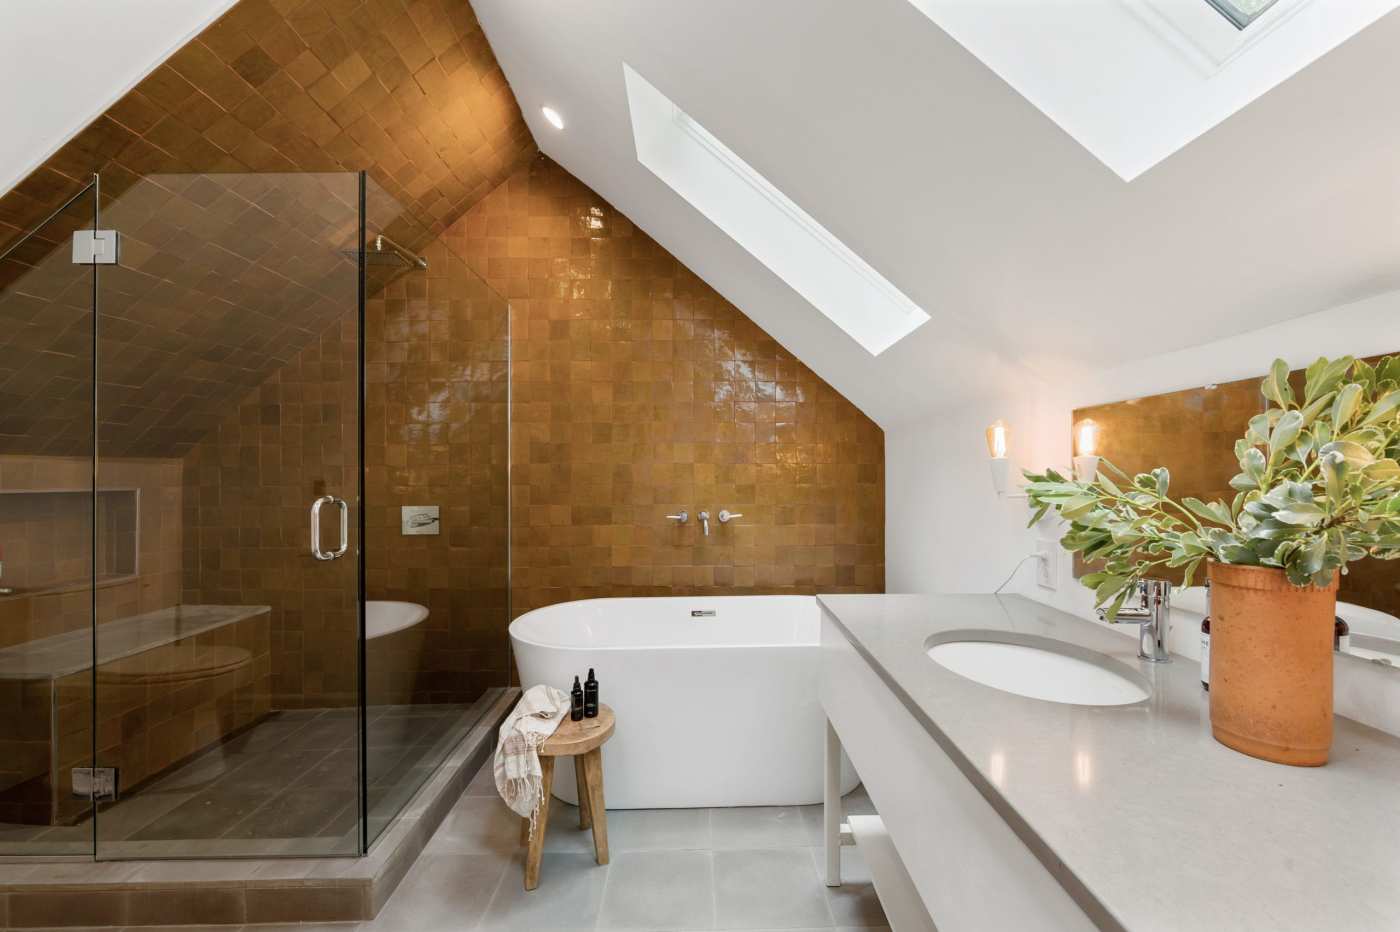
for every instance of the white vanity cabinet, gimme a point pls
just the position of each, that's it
(967, 866)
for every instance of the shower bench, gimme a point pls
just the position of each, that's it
(168, 683)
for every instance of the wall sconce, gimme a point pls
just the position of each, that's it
(1086, 450)
(996, 449)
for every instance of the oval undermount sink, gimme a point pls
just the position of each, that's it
(1038, 668)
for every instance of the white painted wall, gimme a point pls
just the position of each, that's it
(63, 62)
(947, 531)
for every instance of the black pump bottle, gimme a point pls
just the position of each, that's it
(590, 696)
(576, 702)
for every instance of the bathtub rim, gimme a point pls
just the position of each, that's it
(418, 612)
(531, 642)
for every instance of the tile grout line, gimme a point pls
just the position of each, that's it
(714, 871)
(495, 892)
(607, 875)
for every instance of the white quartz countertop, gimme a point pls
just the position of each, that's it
(1147, 820)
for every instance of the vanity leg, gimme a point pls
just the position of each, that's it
(831, 807)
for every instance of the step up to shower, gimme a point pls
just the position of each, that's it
(73, 893)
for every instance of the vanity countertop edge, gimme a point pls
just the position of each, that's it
(1143, 818)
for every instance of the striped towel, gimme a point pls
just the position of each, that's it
(517, 765)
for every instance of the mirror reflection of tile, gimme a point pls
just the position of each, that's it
(1192, 432)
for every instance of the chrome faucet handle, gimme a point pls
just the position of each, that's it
(1153, 616)
(681, 518)
(725, 516)
(704, 517)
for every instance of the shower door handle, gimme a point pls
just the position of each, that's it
(316, 550)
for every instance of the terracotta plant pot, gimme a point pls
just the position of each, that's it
(1271, 664)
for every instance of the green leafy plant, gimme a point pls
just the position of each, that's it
(1318, 487)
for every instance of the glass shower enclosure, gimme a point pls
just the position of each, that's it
(189, 663)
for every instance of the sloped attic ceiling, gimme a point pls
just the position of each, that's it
(225, 278)
(1028, 252)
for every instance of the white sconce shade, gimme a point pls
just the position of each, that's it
(996, 449)
(996, 440)
(1086, 437)
(1086, 448)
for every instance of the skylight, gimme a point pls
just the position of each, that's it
(1242, 12)
(766, 222)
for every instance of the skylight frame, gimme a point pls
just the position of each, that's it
(1237, 17)
(766, 223)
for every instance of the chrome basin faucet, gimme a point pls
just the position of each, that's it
(1150, 608)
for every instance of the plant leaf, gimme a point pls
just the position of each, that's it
(1243, 482)
(1253, 464)
(1316, 407)
(1275, 386)
(1215, 511)
(1323, 376)
(1301, 514)
(1384, 408)
(1345, 405)
(1285, 432)
(1108, 588)
(1351, 451)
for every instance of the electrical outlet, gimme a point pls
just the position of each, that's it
(1047, 567)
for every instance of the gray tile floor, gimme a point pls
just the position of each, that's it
(672, 869)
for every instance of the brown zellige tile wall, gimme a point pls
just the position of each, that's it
(410, 92)
(436, 434)
(638, 391)
(248, 487)
(222, 329)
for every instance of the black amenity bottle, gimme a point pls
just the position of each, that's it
(576, 702)
(590, 696)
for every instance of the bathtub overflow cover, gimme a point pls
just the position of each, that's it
(702, 613)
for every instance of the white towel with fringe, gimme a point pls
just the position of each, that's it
(517, 765)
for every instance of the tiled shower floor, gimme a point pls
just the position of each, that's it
(286, 786)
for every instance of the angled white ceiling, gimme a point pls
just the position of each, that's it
(1135, 80)
(43, 104)
(1025, 249)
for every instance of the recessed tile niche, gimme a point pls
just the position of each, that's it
(44, 536)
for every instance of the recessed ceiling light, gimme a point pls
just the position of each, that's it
(552, 115)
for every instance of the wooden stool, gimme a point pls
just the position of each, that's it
(583, 741)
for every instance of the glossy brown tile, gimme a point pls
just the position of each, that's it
(638, 391)
(411, 93)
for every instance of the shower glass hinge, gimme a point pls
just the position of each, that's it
(98, 784)
(96, 247)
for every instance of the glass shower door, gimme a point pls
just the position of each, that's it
(46, 514)
(228, 609)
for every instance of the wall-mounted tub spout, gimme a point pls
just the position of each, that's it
(705, 520)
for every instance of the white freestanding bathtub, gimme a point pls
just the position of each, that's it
(394, 633)
(716, 697)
